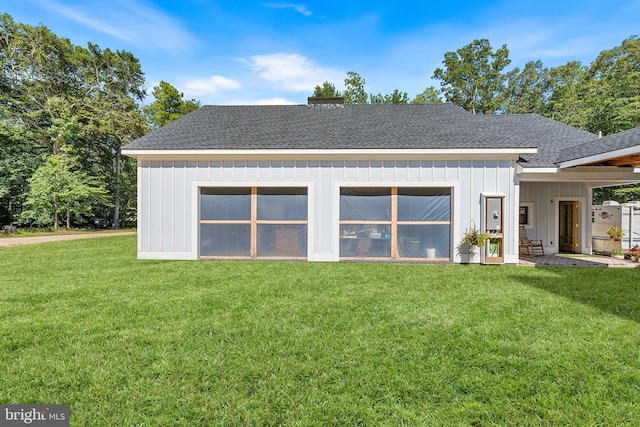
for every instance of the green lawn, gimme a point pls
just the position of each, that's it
(163, 343)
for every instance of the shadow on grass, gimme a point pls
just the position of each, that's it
(616, 291)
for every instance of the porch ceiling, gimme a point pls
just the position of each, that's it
(632, 160)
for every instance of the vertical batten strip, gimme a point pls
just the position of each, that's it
(253, 251)
(395, 253)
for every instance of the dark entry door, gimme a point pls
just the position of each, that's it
(569, 227)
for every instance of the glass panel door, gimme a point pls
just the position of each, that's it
(253, 222)
(396, 223)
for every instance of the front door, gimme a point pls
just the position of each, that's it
(569, 227)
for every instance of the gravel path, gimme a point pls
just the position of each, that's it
(19, 241)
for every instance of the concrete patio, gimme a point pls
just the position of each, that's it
(571, 260)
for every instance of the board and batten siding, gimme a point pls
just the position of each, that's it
(168, 191)
(545, 198)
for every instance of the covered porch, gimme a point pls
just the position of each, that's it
(555, 203)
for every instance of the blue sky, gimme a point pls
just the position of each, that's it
(275, 52)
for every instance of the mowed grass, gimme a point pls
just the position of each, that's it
(127, 342)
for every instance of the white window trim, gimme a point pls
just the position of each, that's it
(195, 206)
(530, 206)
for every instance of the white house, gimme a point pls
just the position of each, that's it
(332, 182)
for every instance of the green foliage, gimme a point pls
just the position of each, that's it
(397, 97)
(168, 106)
(327, 90)
(430, 95)
(617, 251)
(56, 189)
(528, 90)
(475, 238)
(615, 232)
(53, 93)
(627, 193)
(613, 88)
(245, 343)
(473, 77)
(354, 92)
(20, 156)
(622, 194)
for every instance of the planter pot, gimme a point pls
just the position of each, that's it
(472, 256)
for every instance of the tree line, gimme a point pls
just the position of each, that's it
(602, 97)
(65, 113)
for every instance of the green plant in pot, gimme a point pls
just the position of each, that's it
(475, 238)
(615, 232)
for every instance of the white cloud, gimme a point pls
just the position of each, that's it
(293, 72)
(128, 21)
(211, 85)
(300, 8)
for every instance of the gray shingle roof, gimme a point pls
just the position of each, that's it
(548, 136)
(432, 126)
(617, 141)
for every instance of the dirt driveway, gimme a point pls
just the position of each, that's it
(19, 241)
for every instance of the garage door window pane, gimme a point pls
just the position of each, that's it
(282, 240)
(365, 204)
(424, 241)
(424, 204)
(225, 204)
(279, 204)
(225, 240)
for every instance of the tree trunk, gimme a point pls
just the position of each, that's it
(68, 219)
(473, 102)
(55, 216)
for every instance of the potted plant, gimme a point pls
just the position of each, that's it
(474, 238)
(615, 233)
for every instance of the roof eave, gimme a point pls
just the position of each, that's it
(594, 176)
(600, 157)
(346, 154)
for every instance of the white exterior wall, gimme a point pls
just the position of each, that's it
(168, 216)
(544, 197)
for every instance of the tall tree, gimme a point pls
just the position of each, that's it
(169, 105)
(354, 92)
(56, 190)
(44, 78)
(528, 90)
(603, 97)
(396, 97)
(430, 95)
(114, 84)
(565, 101)
(60, 186)
(473, 76)
(37, 66)
(613, 87)
(326, 90)
(20, 156)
